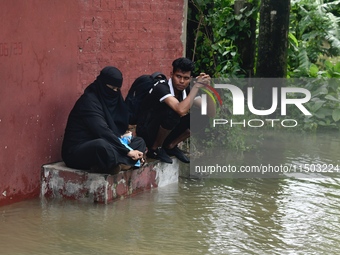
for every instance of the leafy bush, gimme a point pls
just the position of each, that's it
(218, 27)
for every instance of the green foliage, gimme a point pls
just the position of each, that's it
(234, 137)
(314, 33)
(225, 136)
(313, 45)
(218, 29)
(325, 101)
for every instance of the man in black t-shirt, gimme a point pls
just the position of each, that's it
(164, 121)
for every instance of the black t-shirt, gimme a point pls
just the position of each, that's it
(154, 101)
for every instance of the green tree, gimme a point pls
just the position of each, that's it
(221, 36)
(273, 38)
(272, 49)
(314, 35)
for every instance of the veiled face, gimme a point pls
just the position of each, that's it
(112, 76)
(113, 87)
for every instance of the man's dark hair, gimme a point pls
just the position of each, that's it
(183, 64)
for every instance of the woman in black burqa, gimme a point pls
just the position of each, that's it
(97, 120)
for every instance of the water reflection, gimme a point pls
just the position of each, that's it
(289, 154)
(195, 216)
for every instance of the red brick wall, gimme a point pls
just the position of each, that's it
(136, 36)
(50, 51)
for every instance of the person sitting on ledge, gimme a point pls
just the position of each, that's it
(92, 139)
(164, 121)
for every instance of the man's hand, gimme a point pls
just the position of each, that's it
(202, 79)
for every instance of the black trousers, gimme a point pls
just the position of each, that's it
(148, 127)
(101, 155)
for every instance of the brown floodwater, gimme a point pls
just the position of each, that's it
(291, 215)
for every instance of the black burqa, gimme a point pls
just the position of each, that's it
(95, 124)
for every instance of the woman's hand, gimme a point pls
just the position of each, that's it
(135, 154)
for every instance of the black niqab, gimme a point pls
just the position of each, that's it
(114, 107)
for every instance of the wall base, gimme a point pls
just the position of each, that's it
(59, 181)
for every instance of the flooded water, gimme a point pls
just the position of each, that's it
(195, 216)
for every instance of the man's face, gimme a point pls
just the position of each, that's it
(180, 79)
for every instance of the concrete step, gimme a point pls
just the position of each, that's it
(60, 181)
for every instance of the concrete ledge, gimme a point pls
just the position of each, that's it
(59, 181)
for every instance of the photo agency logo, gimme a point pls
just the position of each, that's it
(281, 98)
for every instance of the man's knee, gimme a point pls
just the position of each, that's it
(170, 120)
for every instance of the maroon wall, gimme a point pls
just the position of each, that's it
(50, 51)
